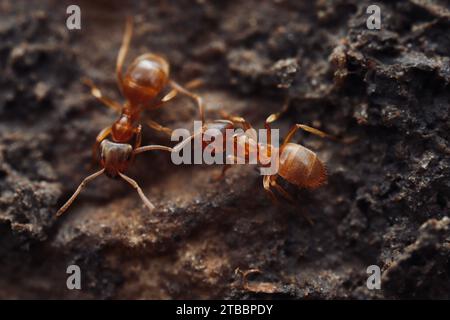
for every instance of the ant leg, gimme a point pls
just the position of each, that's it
(95, 91)
(156, 126)
(100, 137)
(266, 184)
(135, 185)
(239, 120)
(138, 132)
(193, 96)
(170, 95)
(123, 50)
(275, 116)
(309, 129)
(236, 119)
(174, 92)
(193, 84)
(137, 141)
(77, 192)
(151, 148)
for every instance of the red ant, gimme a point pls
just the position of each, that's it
(142, 84)
(297, 164)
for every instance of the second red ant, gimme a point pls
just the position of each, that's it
(296, 163)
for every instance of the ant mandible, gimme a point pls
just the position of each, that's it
(141, 85)
(297, 164)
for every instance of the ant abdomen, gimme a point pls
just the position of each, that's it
(302, 167)
(145, 78)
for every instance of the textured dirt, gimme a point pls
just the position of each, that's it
(386, 202)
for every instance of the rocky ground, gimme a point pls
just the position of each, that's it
(384, 93)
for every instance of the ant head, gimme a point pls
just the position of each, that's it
(115, 157)
(145, 78)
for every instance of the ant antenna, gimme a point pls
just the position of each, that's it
(77, 192)
(135, 185)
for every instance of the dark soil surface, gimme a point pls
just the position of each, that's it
(386, 93)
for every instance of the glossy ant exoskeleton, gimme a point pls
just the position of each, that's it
(141, 85)
(297, 164)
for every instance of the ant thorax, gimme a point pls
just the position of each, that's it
(115, 157)
(122, 130)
